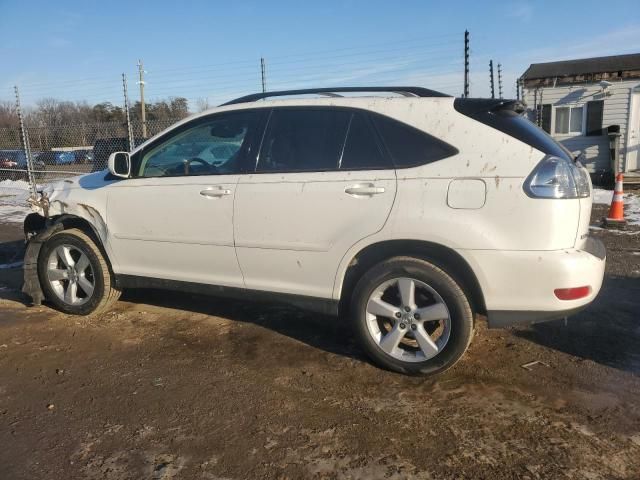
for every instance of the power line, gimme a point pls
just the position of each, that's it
(306, 54)
(87, 86)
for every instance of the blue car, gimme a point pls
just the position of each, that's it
(57, 158)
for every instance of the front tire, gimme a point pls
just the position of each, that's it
(74, 275)
(410, 316)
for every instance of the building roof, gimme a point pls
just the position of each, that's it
(614, 63)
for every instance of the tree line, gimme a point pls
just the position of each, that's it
(53, 112)
(57, 123)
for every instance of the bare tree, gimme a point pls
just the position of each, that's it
(8, 114)
(202, 104)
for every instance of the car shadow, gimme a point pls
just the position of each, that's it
(11, 252)
(607, 332)
(12, 248)
(325, 332)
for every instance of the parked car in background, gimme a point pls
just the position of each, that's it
(8, 167)
(104, 147)
(407, 214)
(57, 158)
(83, 156)
(13, 165)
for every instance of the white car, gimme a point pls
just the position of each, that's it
(408, 212)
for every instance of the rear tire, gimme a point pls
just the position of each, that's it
(74, 274)
(411, 317)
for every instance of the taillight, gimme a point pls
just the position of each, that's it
(556, 177)
(583, 181)
(572, 293)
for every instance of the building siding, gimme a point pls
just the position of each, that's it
(615, 112)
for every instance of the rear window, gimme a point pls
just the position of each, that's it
(510, 122)
(408, 146)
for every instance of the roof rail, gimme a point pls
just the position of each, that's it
(332, 92)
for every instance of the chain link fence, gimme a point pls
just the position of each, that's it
(58, 152)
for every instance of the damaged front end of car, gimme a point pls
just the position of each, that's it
(56, 207)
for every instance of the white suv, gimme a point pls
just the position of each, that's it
(408, 212)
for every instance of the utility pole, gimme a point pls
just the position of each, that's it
(493, 92)
(499, 80)
(466, 64)
(263, 75)
(143, 114)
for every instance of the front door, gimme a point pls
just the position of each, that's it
(321, 184)
(174, 219)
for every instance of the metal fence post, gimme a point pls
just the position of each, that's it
(26, 147)
(126, 110)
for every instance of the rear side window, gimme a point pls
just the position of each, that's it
(361, 148)
(298, 140)
(408, 146)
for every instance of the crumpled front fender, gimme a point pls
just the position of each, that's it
(31, 285)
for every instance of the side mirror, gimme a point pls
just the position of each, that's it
(120, 164)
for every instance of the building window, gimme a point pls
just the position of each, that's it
(543, 117)
(568, 120)
(594, 118)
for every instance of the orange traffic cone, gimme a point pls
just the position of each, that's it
(616, 211)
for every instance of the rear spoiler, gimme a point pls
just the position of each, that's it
(506, 116)
(475, 106)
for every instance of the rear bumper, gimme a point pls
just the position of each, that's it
(518, 286)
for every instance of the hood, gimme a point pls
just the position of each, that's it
(53, 197)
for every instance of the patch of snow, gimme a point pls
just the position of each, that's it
(14, 184)
(13, 201)
(631, 204)
(13, 213)
(615, 231)
(11, 265)
(602, 196)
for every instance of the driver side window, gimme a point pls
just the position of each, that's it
(214, 146)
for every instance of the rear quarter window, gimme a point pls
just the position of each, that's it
(408, 146)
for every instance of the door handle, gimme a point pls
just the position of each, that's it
(368, 190)
(215, 192)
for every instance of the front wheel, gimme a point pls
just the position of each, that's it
(410, 316)
(74, 275)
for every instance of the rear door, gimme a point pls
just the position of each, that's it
(321, 183)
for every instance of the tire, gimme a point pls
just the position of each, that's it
(377, 326)
(94, 291)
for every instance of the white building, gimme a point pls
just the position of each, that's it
(582, 102)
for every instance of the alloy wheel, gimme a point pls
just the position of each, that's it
(408, 319)
(70, 275)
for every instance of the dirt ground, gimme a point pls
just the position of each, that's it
(169, 385)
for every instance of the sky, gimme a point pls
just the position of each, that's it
(78, 50)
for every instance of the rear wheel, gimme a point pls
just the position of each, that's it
(410, 316)
(74, 275)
